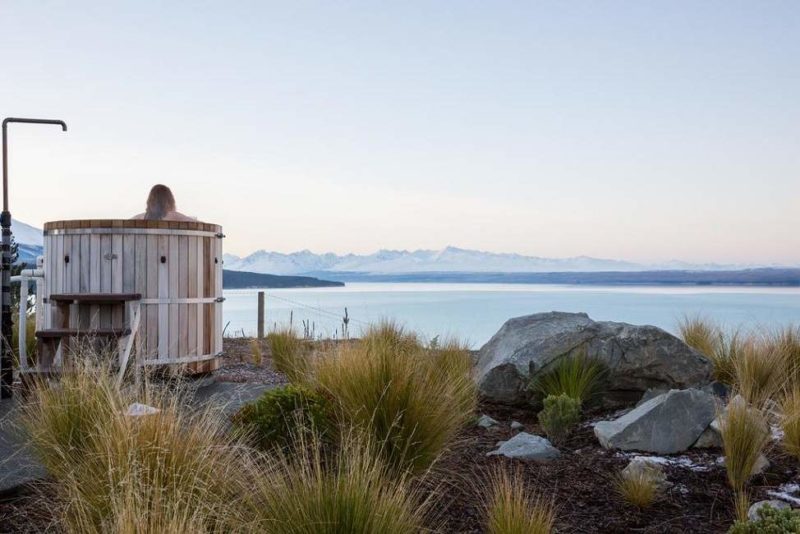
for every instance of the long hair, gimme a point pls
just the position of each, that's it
(160, 202)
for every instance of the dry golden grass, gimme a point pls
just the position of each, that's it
(760, 371)
(256, 354)
(156, 473)
(745, 433)
(412, 400)
(701, 334)
(639, 488)
(790, 422)
(785, 342)
(289, 354)
(512, 508)
(305, 491)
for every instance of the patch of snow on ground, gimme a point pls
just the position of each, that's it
(785, 493)
(679, 461)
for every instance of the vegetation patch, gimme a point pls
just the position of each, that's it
(281, 414)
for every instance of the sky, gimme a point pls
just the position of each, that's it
(644, 131)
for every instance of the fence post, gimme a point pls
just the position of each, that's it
(260, 314)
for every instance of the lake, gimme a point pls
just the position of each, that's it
(474, 312)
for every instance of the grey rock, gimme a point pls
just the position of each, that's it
(651, 394)
(718, 389)
(666, 424)
(485, 421)
(516, 425)
(639, 357)
(752, 513)
(709, 439)
(642, 465)
(526, 446)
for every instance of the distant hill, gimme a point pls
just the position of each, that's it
(245, 280)
(741, 277)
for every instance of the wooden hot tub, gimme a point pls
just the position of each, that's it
(172, 269)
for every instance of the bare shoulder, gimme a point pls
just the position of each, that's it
(178, 216)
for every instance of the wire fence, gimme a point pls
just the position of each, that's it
(312, 322)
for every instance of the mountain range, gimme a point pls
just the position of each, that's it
(405, 262)
(447, 260)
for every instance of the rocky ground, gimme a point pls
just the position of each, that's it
(579, 481)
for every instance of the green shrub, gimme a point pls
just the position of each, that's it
(770, 521)
(577, 376)
(560, 415)
(280, 414)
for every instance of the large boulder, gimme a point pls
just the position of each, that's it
(639, 357)
(667, 424)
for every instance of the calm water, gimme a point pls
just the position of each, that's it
(474, 312)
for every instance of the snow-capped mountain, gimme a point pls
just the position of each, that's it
(26, 234)
(29, 240)
(446, 260)
(450, 259)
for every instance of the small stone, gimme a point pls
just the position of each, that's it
(752, 513)
(709, 439)
(485, 421)
(649, 467)
(138, 410)
(526, 446)
(516, 425)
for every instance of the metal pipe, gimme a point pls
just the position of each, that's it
(6, 326)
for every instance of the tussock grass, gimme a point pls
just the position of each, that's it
(760, 371)
(512, 508)
(701, 334)
(410, 399)
(30, 334)
(256, 354)
(758, 365)
(785, 342)
(639, 488)
(289, 355)
(167, 472)
(304, 491)
(708, 338)
(790, 422)
(745, 433)
(576, 376)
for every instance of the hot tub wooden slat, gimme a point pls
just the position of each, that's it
(199, 292)
(117, 261)
(174, 264)
(163, 294)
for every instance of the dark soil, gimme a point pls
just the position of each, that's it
(581, 483)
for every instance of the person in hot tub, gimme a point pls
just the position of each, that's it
(161, 206)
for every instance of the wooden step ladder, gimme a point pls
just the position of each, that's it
(53, 342)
